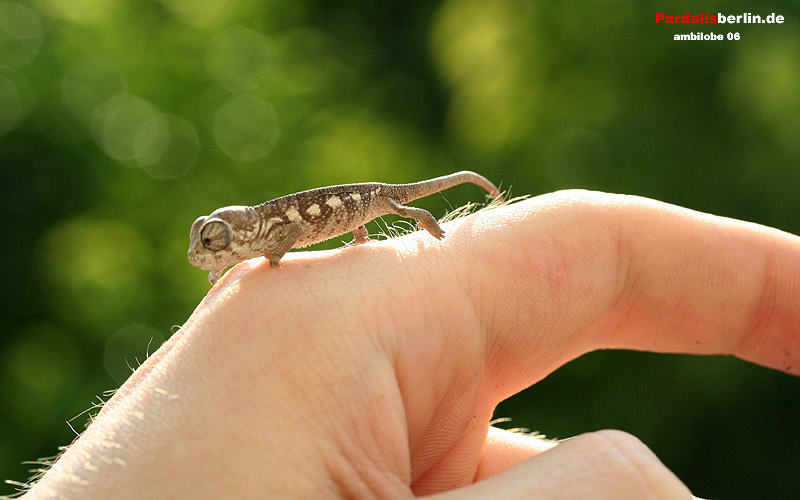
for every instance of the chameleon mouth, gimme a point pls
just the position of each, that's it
(201, 260)
(209, 260)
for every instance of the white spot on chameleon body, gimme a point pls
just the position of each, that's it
(333, 202)
(355, 196)
(313, 210)
(293, 215)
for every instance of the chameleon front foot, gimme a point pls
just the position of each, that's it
(283, 236)
(214, 276)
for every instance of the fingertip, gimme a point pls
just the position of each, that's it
(603, 464)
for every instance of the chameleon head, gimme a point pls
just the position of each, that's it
(220, 240)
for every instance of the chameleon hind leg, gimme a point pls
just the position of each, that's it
(424, 218)
(360, 235)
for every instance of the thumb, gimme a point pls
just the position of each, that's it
(598, 465)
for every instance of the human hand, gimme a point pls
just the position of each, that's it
(372, 371)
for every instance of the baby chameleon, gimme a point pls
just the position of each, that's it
(233, 234)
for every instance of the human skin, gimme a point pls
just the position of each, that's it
(372, 371)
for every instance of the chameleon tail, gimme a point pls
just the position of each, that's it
(416, 190)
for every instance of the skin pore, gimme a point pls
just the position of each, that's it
(372, 371)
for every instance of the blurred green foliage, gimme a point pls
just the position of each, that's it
(121, 121)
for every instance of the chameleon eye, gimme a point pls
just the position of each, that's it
(216, 235)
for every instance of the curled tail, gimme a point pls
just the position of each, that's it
(416, 190)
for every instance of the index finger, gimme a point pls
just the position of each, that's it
(577, 271)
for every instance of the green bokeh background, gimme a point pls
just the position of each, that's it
(121, 121)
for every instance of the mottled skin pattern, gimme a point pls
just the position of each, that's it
(236, 233)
